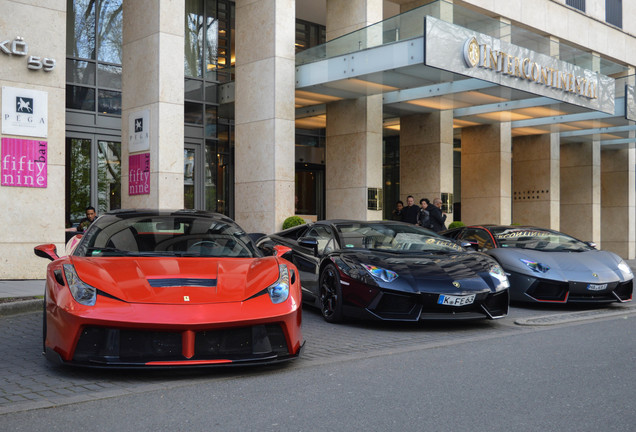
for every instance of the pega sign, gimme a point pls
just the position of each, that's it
(23, 163)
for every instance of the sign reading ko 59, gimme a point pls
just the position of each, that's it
(18, 47)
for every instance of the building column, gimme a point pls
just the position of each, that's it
(618, 201)
(426, 156)
(486, 174)
(581, 190)
(535, 183)
(33, 215)
(265, 116)
(354, 127)
(154, 32)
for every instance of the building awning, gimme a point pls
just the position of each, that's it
(420, 63)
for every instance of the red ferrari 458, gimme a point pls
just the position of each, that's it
(166, 289)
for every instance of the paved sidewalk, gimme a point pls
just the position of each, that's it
(21, 288)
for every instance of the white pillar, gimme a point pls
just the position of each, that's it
(265, 116)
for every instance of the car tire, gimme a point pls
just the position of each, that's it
(331, 294)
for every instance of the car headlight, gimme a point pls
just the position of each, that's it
(497, 273)
(627, 271)
(279, 291)
(535, 266)
(82, 292)
(380, 273)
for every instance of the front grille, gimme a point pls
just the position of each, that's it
(396, 307)
(496, 305)
(111, 346)
(543, 290)
(624, 290)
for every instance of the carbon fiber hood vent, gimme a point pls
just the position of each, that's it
(182, 282)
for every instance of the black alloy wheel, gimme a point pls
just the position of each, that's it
(331, 294)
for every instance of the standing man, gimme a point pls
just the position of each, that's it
(437, 217)
(91, 214)
(410, 212)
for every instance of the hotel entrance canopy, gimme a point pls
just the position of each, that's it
(445, 57)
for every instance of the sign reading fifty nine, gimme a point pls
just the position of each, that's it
(477, 55)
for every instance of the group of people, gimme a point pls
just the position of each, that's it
(427, 215)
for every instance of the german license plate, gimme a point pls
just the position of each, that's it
(449, 300)
(596, 287)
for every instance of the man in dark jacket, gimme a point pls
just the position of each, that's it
(436, 215)
(410, 212)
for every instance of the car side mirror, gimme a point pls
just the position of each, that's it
(280, 250)
(469, 245)
(309, 243)
(48, 251)
(591, 244)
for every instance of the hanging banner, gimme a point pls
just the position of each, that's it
(23, 163)
(24, 112)
(139, 174)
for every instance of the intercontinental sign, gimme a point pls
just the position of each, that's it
(457, 49)
(484, 56)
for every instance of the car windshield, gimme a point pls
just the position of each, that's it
(394, 237)
(537, 239)
(171, 235)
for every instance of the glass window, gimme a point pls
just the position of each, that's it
(81, 98)
(109, 31)
(193, 112)
(193, 37)
(188, 178)
(80, 72)
(94, 35)
(78, 179)
(80, 29)
(578, 4)
(210, 174)
(193, 89)
(108, 176)
(109, 76)
(479, 236)
(614, 12)
(109, 102)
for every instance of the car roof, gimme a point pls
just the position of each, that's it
(130, 213)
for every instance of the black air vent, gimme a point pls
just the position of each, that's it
(181, 282)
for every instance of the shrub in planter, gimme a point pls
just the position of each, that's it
(293, 221)
(456, 224)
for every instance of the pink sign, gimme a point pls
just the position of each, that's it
(24, 163)
(139, 174)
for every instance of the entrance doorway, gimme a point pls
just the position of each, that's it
(93, 175)
(206, 176)
(310, 190)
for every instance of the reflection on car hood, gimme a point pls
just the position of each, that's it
(178, 280)
(433, 272)
(565, 266)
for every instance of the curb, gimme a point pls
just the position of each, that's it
(24, 306)
(548, 320)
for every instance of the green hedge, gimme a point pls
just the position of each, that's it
(293, 221)
(456, 224)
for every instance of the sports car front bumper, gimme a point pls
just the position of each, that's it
(403, 307)
(530, 289)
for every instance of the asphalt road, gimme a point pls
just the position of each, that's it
(563, 369)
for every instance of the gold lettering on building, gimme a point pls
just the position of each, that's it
(485, 57)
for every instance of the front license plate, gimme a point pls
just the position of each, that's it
(455, 300)
(596, 287)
